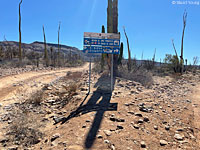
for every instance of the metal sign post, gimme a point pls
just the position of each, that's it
(108, 43)
(89, 74)
(112, 74)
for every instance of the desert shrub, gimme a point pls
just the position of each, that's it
(149, 64)
(173, 63)
(24, 128)
(72, 88)
(36, 98)
(141, 75)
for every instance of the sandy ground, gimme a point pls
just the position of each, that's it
(12, 86)
(196, 104)
(104, 121)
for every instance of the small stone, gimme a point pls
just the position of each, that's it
(146, 119)
(167, 128)
(192, 136)
(49, 88)
(107, 132)
(163, 142)
(178, 137)
(13, 148)
(99, 136)
(126, 104)
(180, 129)
(155, 127)
(140, 121)
(143, 144)
(136, 126)
(119, 127)
(58, 119)
(55, 136)
(106, 141)
(112, 147)
(138, 114)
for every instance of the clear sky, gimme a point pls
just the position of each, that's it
(149, 24)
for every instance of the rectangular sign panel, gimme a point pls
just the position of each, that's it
(101, 43)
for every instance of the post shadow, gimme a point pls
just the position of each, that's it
(92, 105)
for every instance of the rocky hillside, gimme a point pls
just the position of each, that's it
(39, 47)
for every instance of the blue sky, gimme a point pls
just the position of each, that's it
(149, 24)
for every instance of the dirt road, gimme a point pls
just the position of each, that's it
(196, 104)
(15, 85)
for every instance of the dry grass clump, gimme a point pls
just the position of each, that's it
(36, 98)
(24, 128)
(71, 88)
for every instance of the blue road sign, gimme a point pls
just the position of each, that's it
(101, 49)
(99, 43)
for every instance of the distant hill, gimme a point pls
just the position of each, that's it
(39, 47)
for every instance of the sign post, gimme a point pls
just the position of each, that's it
(89, 74)
(112, 74)
(108, 43)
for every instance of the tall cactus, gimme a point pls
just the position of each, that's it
(110, 17)
(20, 36)
(121, 54)
(45, 50)
(129, 52)
(112, 27)
(184, 25)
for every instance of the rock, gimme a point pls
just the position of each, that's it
(131, 112)
(192, 136)
(126, 104)
(119, 127)
(155, 127)
(99, 136)
(106, 141)
(84, 126)
(140, 121)
(146, 119)
(143, 144)
(49, 88)
(138, 114)
(13, 148)
(167, 128)
(178, 137)
(163, 142)
(117, 119)
(3, 139)
(112, 147)
(55, 136)
(180, 130)
(58, 119)
(107, 132)
(136, 126)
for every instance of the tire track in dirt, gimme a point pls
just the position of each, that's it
(7, 83)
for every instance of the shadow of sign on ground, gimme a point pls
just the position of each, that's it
(102, 94)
